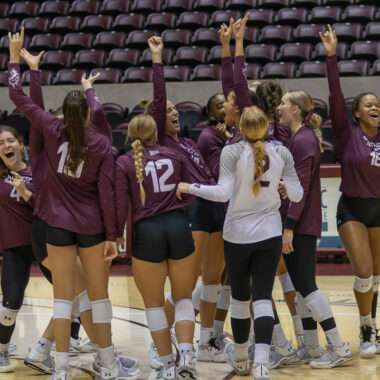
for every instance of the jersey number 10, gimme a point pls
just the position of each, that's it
(63, 150)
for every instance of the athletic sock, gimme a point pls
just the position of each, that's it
(75, 326)
(107, 356)
(262, 353)
(167, 360)
(206, 334)
(185, 348)
(241, 352)
(333, 337)
(4, 347)
(61, 361)
(218, 327)
(366, 320)
(297, 325)
(278, 336)
(43, 346)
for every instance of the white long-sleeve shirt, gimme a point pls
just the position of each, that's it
(252, 218)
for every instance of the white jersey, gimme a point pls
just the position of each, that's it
(252, 218)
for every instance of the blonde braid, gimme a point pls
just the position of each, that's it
(139, 165)
(260, 154)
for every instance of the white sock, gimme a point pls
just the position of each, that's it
(366, 320)
(218, 327)
(185, 348)
(61, 361)
(311, 338)
(4, 347)
(297, 324)
(107, 356)
(278, 336)
(167, 360)
(374, 323)
(43, 346)
(333, 337)
(206, 334)
(262, 353)
(241, 352)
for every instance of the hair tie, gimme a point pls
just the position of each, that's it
(307, 117)
(252, 141)
(138, 138)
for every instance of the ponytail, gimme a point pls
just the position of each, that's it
(260, 156)
(139, 165)
(146, 105)
(314, 123)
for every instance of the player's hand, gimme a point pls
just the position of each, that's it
(33, 61)
(239, 27)
(156, 46)
(19, 184)
(226, 32)
(222, 132)
(282, 190)
(182, 188)
(287, 241)
(15, 45)
(88, 82)
(110, 251)
(120, 242)
(329, 40)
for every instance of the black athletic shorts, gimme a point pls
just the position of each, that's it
(204, 215)
(161, 237)
(64, 238)
(364, 210)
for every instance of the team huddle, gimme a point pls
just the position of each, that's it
(239, 206)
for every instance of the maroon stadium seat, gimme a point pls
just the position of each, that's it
(216, 54)
(274, 4)
(262, 53)
(360, 13)
(138, 74)
(114, 7)
(34, 25)
(372, 31)
(77, 41)
(206, 37)
(241, 5)
(129, 22)
(297, 52)
(8, 25)
(292, 16)
(208, 5)
(46, 77)
(207, 72)
(178, 6)
(66, 76)
(251, 35)
(176, 38)
(22, 9)
(189, 106)
(321, 108)
(353, 68)
(312, 69)
(341, 3)
(219, 17)
(4, 10)
(123, 58)
(325, 15)
(279, 70)
(146, 6)
(54, 8)
(84, 8)
(160, 21)
(107, 75)
(89, 59)
(3, 78)
(190, 55)
(139, 38)
(176, 73)
(276, 34)
(56, 60)
(96, 24)
(64, 25)
(3, 61)
(348, 32)
(45, 42)
(320, 51)
(365, 50)
(308, 33)
(109, 40)
(260, 17)
(253, 71)
(192, 20)
(376, 67)
(305, 3)
(146, 57)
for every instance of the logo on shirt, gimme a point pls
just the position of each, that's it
(96, 97)
(13, 78)
(371, 144)
(154, 152)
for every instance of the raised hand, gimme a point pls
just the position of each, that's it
(239, 27)
(19, 184)
(329, 40)
(226, 32)
(156, 46)
(15, 45)
(33, 61)
(88, 82)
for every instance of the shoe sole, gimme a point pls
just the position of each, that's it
(283, 360)
(37, 368)
(186, 373)
(10, 368)
(333, 365)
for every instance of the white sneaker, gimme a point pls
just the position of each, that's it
(300, 338)
(306, 354)
(169, 373)
(367, 345)
(60, 375)
(40, 362)
(154, 358)
(86, 348)
(261, 372)
(281, 354)
(129, 363)
(5, 364)
(118, 372)
(333, 357)
(75, 343)
(210, 352)
(12, 348)
(186, 368)
(242, 368)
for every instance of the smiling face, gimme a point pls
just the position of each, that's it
(286, 111)
(231, 110)
(217, 111)
(10, 150)
(368, 112)
(172, 127)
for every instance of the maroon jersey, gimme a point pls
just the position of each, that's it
(78, 201)
(16, 215)
(187, 148)
(359, 153)
(305, 217)
(279, 133)
(163, 170)
(227, 76)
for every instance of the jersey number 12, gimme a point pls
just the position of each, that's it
(159, 183)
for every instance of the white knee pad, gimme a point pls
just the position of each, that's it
(363, 285)
(75, 312)
(240, 309)
(170, 299)
(376, 283)
(196, 296)
(319, 306)
(156, 319)
(301, 308)
(62, 309)
(84, 302)
(263, 308)
(211, 293)
(101, 311)
(225, 297)
(8, 316)
(184, 311)
(286, 283)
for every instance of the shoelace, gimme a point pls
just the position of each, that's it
(366, 332)
(212, 343)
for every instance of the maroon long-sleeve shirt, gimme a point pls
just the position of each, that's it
(359, 153)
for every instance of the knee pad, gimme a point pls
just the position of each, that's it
(170, 299)
(225, 297)
(101, 311)
(363, 285)
(376, 283)
(156, 319)
(75, 311)
(301, 308)
(286, 283)
(240, 309)
(263, 308)
(8, 316)
(211, 293)
(184, 311)
(62, 309)
(319, 306)
(84, 302)
(196, 296)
